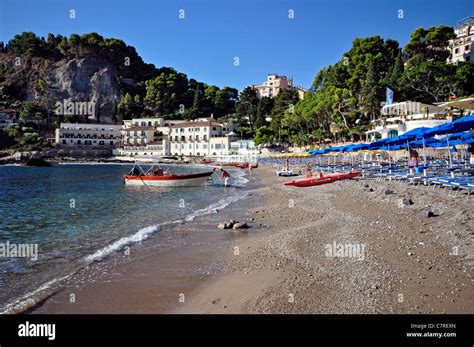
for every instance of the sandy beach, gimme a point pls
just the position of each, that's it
(288, 261)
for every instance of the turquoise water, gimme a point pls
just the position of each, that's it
(77, 214)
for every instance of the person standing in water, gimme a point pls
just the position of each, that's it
(226, 177)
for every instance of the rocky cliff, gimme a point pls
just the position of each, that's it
(91, 79)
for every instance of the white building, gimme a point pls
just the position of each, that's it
(88, 135)
(243, 147)
(398, 118)
(461, 46)
(201, 137)
(144, 136)
(273, 85)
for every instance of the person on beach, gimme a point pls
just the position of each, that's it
(470, 150)
(413, 158)
(226, 177)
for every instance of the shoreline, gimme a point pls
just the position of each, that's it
(407, 267)
(281, 265)
(174, 260)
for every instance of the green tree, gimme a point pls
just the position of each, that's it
(247, 107)
(285, 102)
(429, 45)
(263, 135)
(370, 94)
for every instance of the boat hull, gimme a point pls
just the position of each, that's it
(310, 182)
(176, 180)
(317, 181)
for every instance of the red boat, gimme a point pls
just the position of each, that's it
(311, 180)
(158, 177)
(245, 165)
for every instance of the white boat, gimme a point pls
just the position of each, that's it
(285, 173)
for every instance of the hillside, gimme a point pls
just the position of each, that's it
(39, 73)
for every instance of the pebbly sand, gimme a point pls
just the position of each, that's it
(401, 261)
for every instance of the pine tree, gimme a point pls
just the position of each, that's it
(370, 101)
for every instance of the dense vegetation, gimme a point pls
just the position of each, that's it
(144, 89)
(347, 95)
(344, 97)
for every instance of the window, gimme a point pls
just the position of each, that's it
(456, 51)
(466, 48)
(64, 142)
(217, 146)
(111, 143)
(393, 133)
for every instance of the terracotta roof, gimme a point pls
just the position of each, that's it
(139, 128)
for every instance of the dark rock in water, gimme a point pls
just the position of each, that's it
(37, 162)
(427, 213)
(366, 185)
(389, 192)
(371, 189)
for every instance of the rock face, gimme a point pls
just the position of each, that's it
(89, 79)
(85, 79)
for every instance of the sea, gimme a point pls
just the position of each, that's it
(78, 214)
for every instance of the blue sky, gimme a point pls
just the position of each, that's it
(259, 32)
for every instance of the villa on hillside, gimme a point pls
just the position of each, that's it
(276, 83)
(461, 45)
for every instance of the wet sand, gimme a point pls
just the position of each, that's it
(409, 264)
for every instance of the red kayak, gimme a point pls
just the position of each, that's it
(310, 180)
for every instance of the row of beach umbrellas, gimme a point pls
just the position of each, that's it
(445, 135)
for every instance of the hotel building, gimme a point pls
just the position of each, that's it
(274, 84)
(461, 46)
(93, 136)
(200, 137)
(144, 136)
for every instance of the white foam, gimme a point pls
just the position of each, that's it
(29, 299)
(213, 208)
(139, 236)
